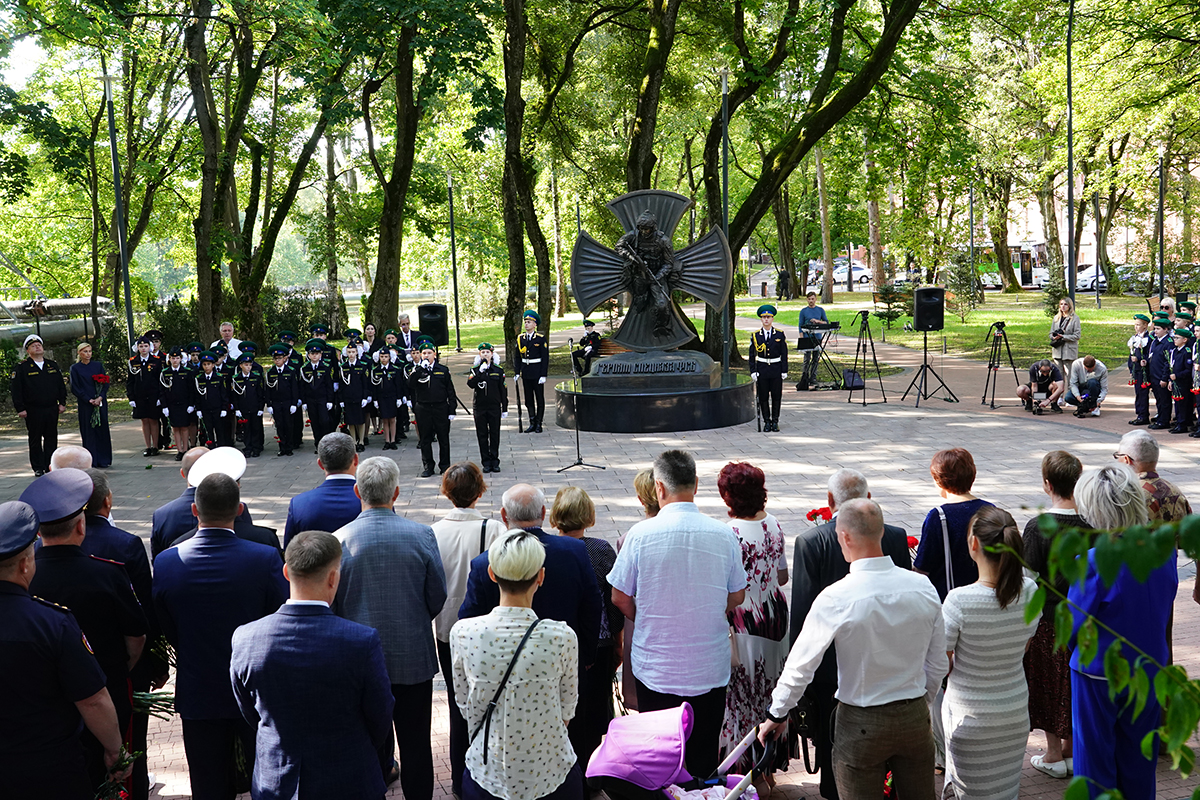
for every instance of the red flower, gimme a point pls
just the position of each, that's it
(824, 513)
(912, 542)
(101, 378)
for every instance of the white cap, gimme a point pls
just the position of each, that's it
(222, 460)
(33, 337)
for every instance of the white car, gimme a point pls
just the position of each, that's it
(1086, 278)
(861, 274)
(1041, 276)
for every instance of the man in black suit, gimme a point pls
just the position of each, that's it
(818, 563)
(204, 589)
(174, 522)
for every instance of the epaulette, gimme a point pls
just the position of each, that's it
(50, 604)
(107, 560)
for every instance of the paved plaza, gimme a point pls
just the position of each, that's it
(891, 443)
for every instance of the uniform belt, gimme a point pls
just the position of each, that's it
(768, 360)
(532, 360)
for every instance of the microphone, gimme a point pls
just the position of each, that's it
(570, 341)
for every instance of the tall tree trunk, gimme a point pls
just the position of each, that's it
(639, 163)
(998, 191)
(826, 239)
(1046, 204)
(337, 306)
(783, 230)
(510, 203)
(1185, 199)
(874, 234)
(561, 305)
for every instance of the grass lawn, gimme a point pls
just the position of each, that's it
(1105, 330)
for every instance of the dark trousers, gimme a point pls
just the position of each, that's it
(42, 426)
(164, 433)
(824, 706)
(487, 431)
(402, 421)
(1141, 402)
(1090, 390)
(60, 775)
(458, 726)
(297, 439)
(215, 428)
(1184, 407)
(412, 717)
(1107, 743)
(535, 399)
(594, 710)
(770, 394)
(253, 437)
(708, 712)
(320, 422)
(209, 745)
(432, 421)
(570, 789)
(583, 364)
(870, 741)
(1162, 404)
(285, 428)
(97, 440)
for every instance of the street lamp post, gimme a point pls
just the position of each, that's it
(453, 263)
(118, 203)
(1162, 220)
(729, 306)
(1096, 206)
(1071, 259)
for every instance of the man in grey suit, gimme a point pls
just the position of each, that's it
(313, 685)
(818, 563)
(393, 581)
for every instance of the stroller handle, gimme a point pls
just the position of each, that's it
(737, 752)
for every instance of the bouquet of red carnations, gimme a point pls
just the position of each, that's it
(824, 514)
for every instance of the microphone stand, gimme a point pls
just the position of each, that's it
(579, 462)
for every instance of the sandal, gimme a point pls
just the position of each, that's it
(1055, 769)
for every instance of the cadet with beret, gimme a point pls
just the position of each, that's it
(769, 366)
(532, 365)
(142, 388)
(589, 348)
(1139, 376)
(296, 359)
(1180, 360)
(212, 403)
(317, 391)
(249, 396)
(51, 680)
(489, 406)
(282, 383)
(389, 394)
(1158, 366)
(355, 394)
(96, 590)
(434, 402)
(39, 393)
(193, 350)
(177, 396)
(156, 352)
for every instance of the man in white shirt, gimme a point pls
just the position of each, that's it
(887, 623)
(232, 345)
(680, 573)
(1087, 385)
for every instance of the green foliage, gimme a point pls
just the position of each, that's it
(894, 302)
(963, 289)
(1054, 290)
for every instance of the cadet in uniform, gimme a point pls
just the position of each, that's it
(354, 396)
(769, 366)
(177, 397)
(51, 681)
(142, 388)
(283, 397)
(532, 366)
(317, 391)
(1139, 376)
(296, 359)
(212, 402)
(489, 406)
(389, 394)
(39, 393)
(1180, 374)
(402, 357)
(589, 348)
(97, 591)
(249, 395)
(156, 352)
(434, 402)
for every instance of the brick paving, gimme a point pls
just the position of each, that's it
(891, 443)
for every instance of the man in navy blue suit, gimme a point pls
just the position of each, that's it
(204, 589)
(333, 504)
(315, 686)
(175, 518)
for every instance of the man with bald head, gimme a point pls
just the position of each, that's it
(70, 456)
(891, 642)
(175, 518)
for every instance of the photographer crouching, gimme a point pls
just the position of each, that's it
(1087, 386)
(1045, 387)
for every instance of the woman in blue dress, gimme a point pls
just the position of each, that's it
(91, 396)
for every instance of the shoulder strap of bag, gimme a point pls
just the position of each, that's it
(482, 536)
(486, 723)
(946, 550)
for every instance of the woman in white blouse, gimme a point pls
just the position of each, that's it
(522, 752)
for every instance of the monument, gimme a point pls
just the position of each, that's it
(653, 386)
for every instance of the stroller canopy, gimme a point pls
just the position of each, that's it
(646, 750)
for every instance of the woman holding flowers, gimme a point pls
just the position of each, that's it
(89, 384)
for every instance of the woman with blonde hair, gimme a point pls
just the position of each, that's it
(1065, 330)
(643, 484)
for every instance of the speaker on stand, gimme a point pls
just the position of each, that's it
(433, 323)
(929, 314)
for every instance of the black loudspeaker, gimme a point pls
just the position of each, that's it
(929, 308)
(432, 323)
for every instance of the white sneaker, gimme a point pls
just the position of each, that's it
(1095, 412)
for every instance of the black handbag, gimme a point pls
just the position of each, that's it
(802, 725)
(485, 724)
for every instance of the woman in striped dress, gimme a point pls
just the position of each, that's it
(986, 711)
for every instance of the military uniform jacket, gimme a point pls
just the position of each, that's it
(768, 352)
(432, 385)
(38, 388)
(388, 385)
(248, 393)
(283, 388)
(533, 356)
(488, 382)
(1160, 357)
(46, 666)
(100, 596)
(316, 383)
(591, 340)
(355, 384)
(212, 394)
(177, 390)
(142, 386)
(1138, 344)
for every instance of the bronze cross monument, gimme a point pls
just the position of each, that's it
(645, 265)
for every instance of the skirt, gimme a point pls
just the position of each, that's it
(1048, 673)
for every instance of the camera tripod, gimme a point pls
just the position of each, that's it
(860, 349)
(995, 360)
(921, 380)
(578, 462)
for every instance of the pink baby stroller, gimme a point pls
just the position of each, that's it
(643, 754)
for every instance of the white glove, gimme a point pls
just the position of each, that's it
(305, 407)
(329, 406)
(478, 361)
(158, 402)
(199, 415)
(399, 402)
(223, 413)
(541, 380)
(191, 409)
(754, 376)
(260, 413)
(785, 376)
(587, 350)
(408, 403)
(166, 412)
(365, 401)
(271, 410)
(239, 414)
(503, 415)
(292, 410)
(335, 387)
(375, 403)
(132, 404)
(341, 405)
(451, 418)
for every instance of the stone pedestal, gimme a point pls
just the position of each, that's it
(652, 372)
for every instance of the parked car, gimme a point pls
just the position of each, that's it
(861, 273)
(1041, 276)
(1087, 276)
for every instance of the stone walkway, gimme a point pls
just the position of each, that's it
(891, 443)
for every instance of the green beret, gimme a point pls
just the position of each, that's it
(486, 346)
(280, 350)
(767, 308)
(314, 346)
(195, 347)
(248, 347)
(534, 315)
(286, 334)
(1183, 333)
(1162, 322)
(392, 332)
(1189, 305)
(1185, 315)
(426, 343)
(208, 355)
(1142, 317)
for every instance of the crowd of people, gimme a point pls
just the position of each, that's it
(314, 662)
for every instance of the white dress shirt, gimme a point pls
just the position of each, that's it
(233, 346)
(458, 541)
(891, 641)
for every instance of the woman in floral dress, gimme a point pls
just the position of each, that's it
(759, 625)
